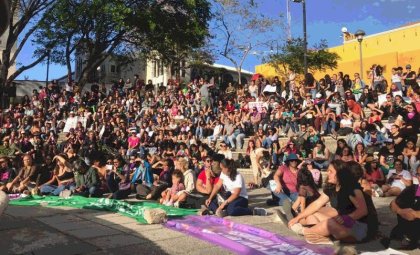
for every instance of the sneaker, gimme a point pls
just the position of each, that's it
(287, 208)
(169, 203)
(176, 204)
(260, 211)
(203, 211)
(297, 228)
(65, 193)
(221, 213)
(378, 191)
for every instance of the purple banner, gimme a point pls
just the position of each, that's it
(243, 239)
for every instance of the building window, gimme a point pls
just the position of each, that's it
(113, 69)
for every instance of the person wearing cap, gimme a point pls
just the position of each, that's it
(388, 155)
(285, 178)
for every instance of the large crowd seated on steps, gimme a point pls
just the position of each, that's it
(182, 144)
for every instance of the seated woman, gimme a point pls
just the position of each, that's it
(411, 154)
(397, 180)
(62, 179)
(321, 155)
(235, 200)
(188, 180)
(352, 216)
(284, 185)
(346, 155)
(374, 174)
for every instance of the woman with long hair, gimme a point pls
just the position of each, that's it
(235, 200)
(360, 154)
(352, 216)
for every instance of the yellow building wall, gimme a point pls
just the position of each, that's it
(389, 49)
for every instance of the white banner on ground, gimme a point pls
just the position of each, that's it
(72, 123)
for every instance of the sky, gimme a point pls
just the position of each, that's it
(325, 18)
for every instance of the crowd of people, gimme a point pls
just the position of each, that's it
(182, 145)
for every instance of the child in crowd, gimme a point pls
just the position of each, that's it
(171, 195)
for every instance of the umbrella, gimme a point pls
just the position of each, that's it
(256, 76)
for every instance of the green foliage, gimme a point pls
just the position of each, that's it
(292, 53)
(170, 28)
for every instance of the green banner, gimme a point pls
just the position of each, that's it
(133, 210)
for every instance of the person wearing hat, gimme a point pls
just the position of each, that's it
(285, 179)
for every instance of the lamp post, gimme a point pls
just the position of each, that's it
(359, 35)
(48, 66)
(305, 39)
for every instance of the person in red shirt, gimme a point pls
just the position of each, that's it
(230, 107)
(204, 185)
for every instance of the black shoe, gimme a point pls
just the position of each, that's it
(139, 197)
(272, 202)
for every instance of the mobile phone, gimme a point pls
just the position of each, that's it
(108, 167)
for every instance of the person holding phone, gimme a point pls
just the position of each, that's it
(397, 180)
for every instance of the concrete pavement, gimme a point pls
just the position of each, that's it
(42, 230)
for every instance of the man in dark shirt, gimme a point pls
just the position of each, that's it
(407, 208)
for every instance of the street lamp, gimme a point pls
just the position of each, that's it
(359, 36)
(98, 69)
(48, 66)
(305, 43)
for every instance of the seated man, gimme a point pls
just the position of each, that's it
(25, 181)
(87, 180)
(407, 208)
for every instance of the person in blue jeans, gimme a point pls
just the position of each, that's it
(235, 201)
(62, 178)
(284, 183)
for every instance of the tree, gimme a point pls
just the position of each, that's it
(291, 54)
(24, 19)
(102, 28)
(242, 28)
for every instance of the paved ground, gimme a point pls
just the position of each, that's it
(41, 230)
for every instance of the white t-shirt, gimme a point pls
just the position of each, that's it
(230, 185)
(399, 183)
(395, 78)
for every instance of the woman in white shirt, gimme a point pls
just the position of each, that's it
(235, 201)
(397, 180)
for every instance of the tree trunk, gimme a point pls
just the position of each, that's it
(239, 69)
(4, 73)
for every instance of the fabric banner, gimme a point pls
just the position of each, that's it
(258, 105)
(71, 122)
(134, 210)
(243, 239)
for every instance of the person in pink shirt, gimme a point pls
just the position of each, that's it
(133, 142)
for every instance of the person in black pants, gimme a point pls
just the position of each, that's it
(119, 179)
(407, 208)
